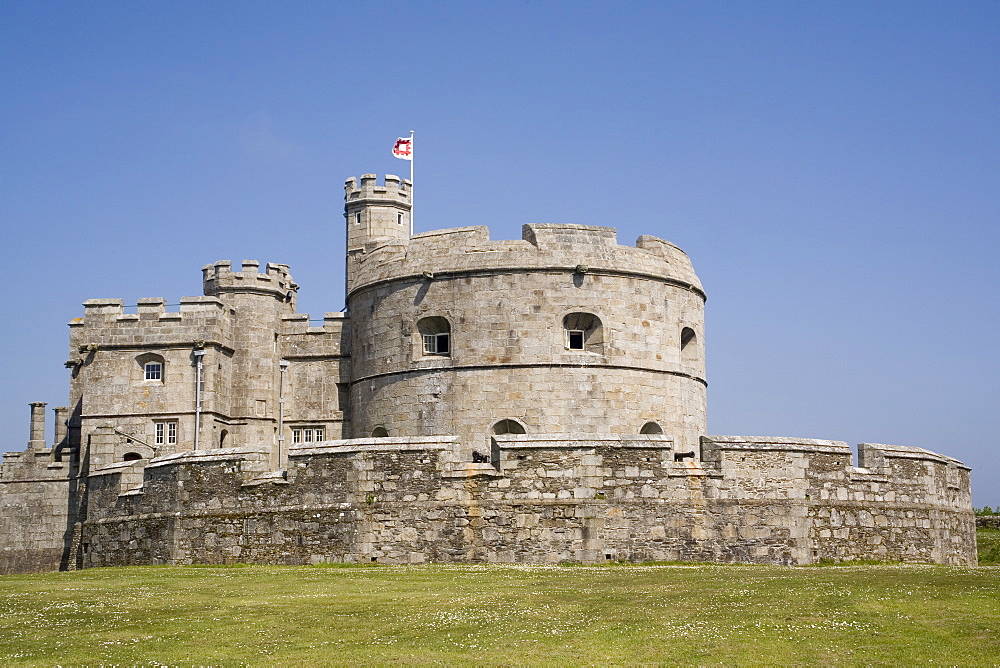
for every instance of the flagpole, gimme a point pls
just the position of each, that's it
(411, 183)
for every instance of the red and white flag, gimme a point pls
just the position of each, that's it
(403, 148)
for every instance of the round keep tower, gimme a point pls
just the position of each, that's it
(561, 332)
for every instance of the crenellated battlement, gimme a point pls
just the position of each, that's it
(103, 312)
(275, 279)
(394, 188)
(301, 323)
(563, 246)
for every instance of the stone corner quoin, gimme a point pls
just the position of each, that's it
(537, 400)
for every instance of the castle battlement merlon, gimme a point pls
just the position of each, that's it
(301, 323)
(107, 312)
(394, 188)
(275, 279)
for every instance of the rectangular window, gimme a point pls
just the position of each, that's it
(399, 218)
(575, 337)
(357, 219)
(437, 344)
(154, 371)
(307, 435)
(165, 433)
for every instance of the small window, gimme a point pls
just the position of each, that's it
(435, 336)
(149, 367)
(357, 219)
(308, 434)
(689, 345)
(651, 428)
(436, 344)
(508, 427)
(165, 433)
(380, 432)
(687, 337)
(131, 457)
(583, 332)
(399, 218)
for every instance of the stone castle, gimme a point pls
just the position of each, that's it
(538, 400)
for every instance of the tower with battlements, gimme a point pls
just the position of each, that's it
(533, 400)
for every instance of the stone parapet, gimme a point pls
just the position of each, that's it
(275, 280)
(549, 498)
(544, 247)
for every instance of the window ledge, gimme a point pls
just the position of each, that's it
(433, 362)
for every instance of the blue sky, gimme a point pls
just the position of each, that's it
(832, 170)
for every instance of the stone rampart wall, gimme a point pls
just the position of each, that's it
(36, 516)
(588, 499)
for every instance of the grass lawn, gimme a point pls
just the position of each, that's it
(988, 542)
(888, 615)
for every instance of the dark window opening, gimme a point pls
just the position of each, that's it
(131, 457)
(435, 336)
(687, 337)
(436, 344)
(584, 332)
(508, 427)
(651, 428)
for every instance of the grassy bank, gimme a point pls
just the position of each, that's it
(988, 542)
(503, 615)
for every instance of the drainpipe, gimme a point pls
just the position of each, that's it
(283, 365)
(198, 354)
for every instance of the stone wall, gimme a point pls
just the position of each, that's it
(549, 499)
(36, 513)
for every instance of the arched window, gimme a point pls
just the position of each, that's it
(583, 332)
(508, 427)
(131, 457)
(380, 432)
(651, 428)
(434, 336)
(150, 367)
(222, 437)
(689, 345)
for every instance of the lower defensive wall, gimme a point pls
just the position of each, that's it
(553, 499)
